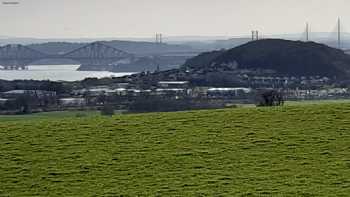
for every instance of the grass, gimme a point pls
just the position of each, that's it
(49, 115)
(316, 102)
(301, 150)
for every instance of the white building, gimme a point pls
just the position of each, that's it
(72, 102)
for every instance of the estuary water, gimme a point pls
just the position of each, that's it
(55, 73)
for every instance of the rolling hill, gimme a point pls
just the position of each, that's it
(294, 58)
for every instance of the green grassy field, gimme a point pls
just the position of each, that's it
(301, 150)
(49, 115)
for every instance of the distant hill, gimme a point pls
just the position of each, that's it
(56, 47)
(133, 47)
(197, 42)
(216, 44)
(287, 57)
(149, 48)
(203, 60)
(283, 56)
(148, 56)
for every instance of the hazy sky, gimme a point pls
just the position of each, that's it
(143, 18)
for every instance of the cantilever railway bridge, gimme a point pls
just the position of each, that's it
(94, 54)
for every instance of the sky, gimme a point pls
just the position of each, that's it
(143, 18)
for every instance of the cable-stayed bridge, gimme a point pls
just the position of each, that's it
(338, 37)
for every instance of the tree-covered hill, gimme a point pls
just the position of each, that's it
(283, 56)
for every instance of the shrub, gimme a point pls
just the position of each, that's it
(269, 98)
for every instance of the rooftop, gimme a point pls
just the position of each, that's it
(173, 82)
(246, 90)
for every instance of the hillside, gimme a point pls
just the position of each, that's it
(289, 151)
(294, 58)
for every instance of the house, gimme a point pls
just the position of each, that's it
(72, 102)
(228, 92)
(173, 84)
(123, 85)
(3, 101)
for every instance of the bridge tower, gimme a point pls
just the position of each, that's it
(18, 57)
(339, 33)
(307, 31)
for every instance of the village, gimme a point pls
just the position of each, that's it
(126, 95)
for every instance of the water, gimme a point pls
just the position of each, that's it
(55, 73)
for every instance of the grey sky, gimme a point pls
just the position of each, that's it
(142, 18)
